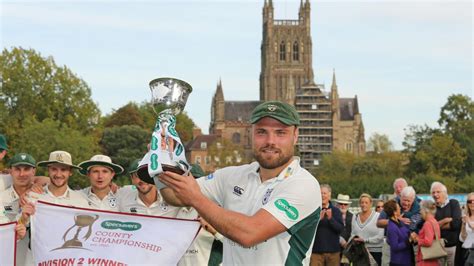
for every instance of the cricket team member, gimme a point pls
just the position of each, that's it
(101, 170)
(267, 210)
(145, 199)
(22, 170)
(60, 168)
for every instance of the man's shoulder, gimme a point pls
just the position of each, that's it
(5, 181)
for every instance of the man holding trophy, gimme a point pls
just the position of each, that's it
(267, 210)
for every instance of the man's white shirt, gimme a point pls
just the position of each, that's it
(293, 198)
(130, 202)
(10, 212)
(200, 250)
(69, 198)
(5, 181)
(108, 203)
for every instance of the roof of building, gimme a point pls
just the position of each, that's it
(348, 108)
(195, 144)
(239, 110)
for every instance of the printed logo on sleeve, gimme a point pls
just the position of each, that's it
(289, 210)
(209, 177)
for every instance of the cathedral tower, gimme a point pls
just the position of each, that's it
(286, 62)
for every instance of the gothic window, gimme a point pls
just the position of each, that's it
(282, 51)
(296, 52)
(349, 146)
(236, 138)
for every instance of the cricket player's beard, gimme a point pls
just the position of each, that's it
(144, 190)
(270, 157)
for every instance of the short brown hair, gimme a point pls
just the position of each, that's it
(390, 207)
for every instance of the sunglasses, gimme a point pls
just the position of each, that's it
(344, 204)
(379, 207)
(470, 201)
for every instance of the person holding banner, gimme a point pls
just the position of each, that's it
(145, 199)
(22, 170)
(101, 170)
(60, 168)
(267, 210)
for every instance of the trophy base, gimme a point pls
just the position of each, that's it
(144, 176)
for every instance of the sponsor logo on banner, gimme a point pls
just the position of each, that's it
(289, 210)
(125, 226)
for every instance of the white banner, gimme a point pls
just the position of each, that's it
(7, 243)
(72, 236)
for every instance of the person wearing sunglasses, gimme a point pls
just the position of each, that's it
(379, 206)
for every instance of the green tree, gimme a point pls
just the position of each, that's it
(379, 143)
(41, 138)
(125, 115)
(35, 87)
(457, 119)
(442, 156)
(125, 143)
(457, 115)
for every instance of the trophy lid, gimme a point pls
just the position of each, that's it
(169, 94)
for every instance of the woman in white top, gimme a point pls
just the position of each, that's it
(364, 226)
(467, 229)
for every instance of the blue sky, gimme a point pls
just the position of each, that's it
(401, 58)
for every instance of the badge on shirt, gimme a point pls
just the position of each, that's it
(238, 191)
(164, 206)
(113, 202)
(266, 197)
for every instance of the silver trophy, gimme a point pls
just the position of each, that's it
(169, 96)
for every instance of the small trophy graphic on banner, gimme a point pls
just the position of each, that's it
(169, 96)
(80, 221)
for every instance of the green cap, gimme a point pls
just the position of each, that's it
(282, 112)
(197, 171)
(22, 159)
(133, 166)
(3, 143)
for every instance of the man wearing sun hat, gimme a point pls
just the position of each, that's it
(60, 168)
(22, 170)
(343, 203)
(267, 210)
(101, 170)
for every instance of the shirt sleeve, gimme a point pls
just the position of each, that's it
(212, 185)
(295, 200)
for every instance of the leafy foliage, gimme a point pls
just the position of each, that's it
(41, 138)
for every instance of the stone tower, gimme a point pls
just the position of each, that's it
(286, 54)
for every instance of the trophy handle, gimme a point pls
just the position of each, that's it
(89, 231)
(67, 231)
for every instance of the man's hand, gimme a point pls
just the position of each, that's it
(185, 188)
(329, 213)
(20, 231)
(207, 226)
(405, 220)
(114, 187)
(26, 211)
(41, 181)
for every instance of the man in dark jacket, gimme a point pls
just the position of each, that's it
(448, 214)
(326, 248)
